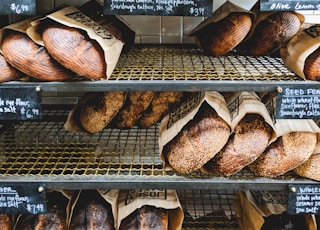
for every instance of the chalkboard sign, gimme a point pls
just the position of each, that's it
(23, 7)
(159, 7)
(304, 199)
(20, 103)
(288, 5)
(29, 198)
(298, 103)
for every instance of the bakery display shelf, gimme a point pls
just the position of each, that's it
(43, 151)
(182, 68)
(208, 209)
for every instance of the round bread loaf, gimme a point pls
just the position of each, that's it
(270, 33)
(92, 212)
(312, 66)
(161, 104)
(5, 222)
(99, 111)
(28, 57)
(137, 102)
(73, 49)
(7, 72)
(310, 169)
(221, 37)
(285, 154)
(250, 138)
(146, 218)
(198, 141)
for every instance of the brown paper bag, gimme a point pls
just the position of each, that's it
(131, 200)
(177, 131)
(298, 49)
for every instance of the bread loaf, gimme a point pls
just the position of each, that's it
(146, 218)
(28, 57)
(137, 102)
(5, 222)
(250, 138)
(92, 212)
(161, 104)
(99, 111)
(72, 48)
(7, 72)
(285, 154)
(198, 141)
(270, 33)
(221, 37)
(310, 169)
(312, 66)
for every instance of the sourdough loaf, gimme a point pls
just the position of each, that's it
(137, 102)
(221, 37)
(269, 33)
(312, 66)
(5, 222)
(161, 104)
(310, 169)
(7, 72)
(91, 212)
(285, 154)
(73, 49)
(250, 138)
(146, 218)
(30, 58)
(99, 110)
(198, 141)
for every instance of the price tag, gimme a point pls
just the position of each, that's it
(20, 103)
(285, 5)
(23, 7)
(159, 7)
(298, 103)
(304, 199)
(29, 198)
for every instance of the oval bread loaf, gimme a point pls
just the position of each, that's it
(312, 66)
(270, 33)
(310, 169)
(250, 138)
(99, 111)
(73, 49)
(221, 37)
(198, 141)
(7, 72)
(285, 154)
(25, 55)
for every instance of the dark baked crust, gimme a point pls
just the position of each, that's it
(250, 138)
(73, 49)
(198, 141)
(28, 57)
(7, 72)
(312, 66)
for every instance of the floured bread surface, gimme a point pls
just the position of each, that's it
(99, 111)
(312, 66)
(310, 169)
(73, 49)
(199, 141)
(285, 154)
(250, 138)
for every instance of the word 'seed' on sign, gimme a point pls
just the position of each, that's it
(159, 7)
(21, 7)
(20, 103)
(22, 198)
(304, 199)
(288, 5)
(297, 102)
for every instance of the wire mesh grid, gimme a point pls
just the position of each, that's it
(147, 62)
(208, 209)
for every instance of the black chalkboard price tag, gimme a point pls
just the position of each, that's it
(288, 5)
(20, 103)
(159, 7)
(29, 198)
(303, 199)
(23, 7)
(298, 102)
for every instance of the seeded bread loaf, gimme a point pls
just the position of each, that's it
(250, 138)
(310, 169)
